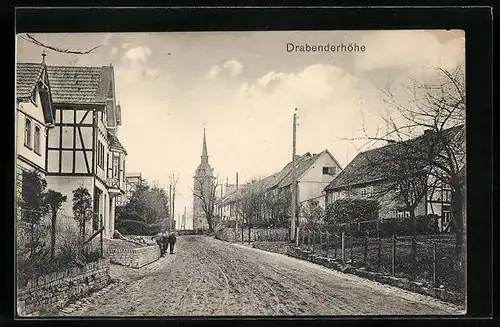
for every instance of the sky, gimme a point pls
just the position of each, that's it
(243, 88)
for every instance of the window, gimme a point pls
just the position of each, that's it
(100, 154)
(116, 166)
(36, 141)
(27, 133)
(363, 192)
(403, 214)
(446, 196)
(329, 170)
(107, 166)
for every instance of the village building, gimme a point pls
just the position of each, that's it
(377, 174)
(313, 173)
(203, 190)
(34, 117)
(83, 149)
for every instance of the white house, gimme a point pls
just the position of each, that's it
(34, 116)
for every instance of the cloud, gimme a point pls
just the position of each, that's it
(229, 68)
(114, 51)
(213, 72)
(234, 66)
(412, 51)
(125, 45)
(139, 54)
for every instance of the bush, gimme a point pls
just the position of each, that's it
(350, 211)
(427, 225)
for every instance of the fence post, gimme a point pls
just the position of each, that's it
(321, 251)
(327, 244)
(352, 247)
(335, 242)
(393, 254)
(297, 238)
(379, 244)
(313, 241)
(434, 264)
(343, 247)
(365, 252)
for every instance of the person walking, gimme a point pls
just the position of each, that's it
(165, 241)
(159, 238)
(171, 240)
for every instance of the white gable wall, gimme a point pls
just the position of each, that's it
(34, 112)
(313, 182)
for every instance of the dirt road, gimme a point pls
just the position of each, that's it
(211, 277)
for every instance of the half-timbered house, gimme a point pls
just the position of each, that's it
(34, 116)
(83, 149)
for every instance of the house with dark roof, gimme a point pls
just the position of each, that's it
(83, 148)
(313, 172)
(374, 174)
(34, 117)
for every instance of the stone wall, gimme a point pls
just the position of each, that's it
(133, 257)
(55, 290)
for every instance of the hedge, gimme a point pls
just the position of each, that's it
(137, 227)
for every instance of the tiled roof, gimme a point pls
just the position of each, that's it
(80, 85)
(283, 178)
(379, 164)
(27, 74)
(303, 164)
(115, 142)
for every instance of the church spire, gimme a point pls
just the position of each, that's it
(204, 153)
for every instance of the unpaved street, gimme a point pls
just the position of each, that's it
(211, 277)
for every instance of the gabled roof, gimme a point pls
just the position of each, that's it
(281, 179)
(27, 75)
(379, 164)
(114, 142)
(304, 163)
(80, 85)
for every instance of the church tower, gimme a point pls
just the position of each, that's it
(203, 187)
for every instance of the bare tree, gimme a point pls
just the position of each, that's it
(438, 109)
(205, 193)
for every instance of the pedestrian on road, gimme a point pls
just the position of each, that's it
(171, 240)
(159, 238)
(165, 241)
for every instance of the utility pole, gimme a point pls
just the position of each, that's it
(183, 224)
(173, 205)
(294, 178)
(170, 213)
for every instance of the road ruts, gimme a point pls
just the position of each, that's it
(208, 277)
